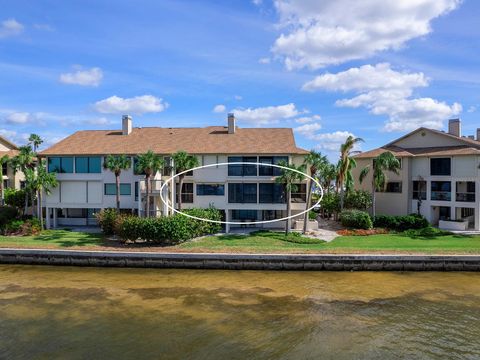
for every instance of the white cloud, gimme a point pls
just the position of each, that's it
(136, 105)
(88, 77)
(10, 27)
(219, 108)
(307, 119)
(308, 129)
(331, 141)
(18, 118)
(321, 33)
(238, 97)
(472, 109)
(384, 91)
(264, 60)
(257, 2)
(266, 115)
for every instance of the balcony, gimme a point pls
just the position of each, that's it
(465, 196)
(441, 195)
(465, 191)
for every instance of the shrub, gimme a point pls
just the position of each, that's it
(23, 227)
(330, 203)
(358, 199)
(312, 215)
(107, 219)
(400, 223)
(7, 214)
(426, 232)
(356, 219)
(16, 198)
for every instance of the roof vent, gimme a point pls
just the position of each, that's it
(126, 124)
(454, 127)
(231, 123)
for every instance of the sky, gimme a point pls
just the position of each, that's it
(328, 69)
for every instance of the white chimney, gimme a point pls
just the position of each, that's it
(454, 127)
(126, 124)
(478, 134)
(231, 123)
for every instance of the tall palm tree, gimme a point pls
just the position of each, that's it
(182, 161)
(21, 162)
(117, 163)
(345, 166)
(149, 164)
(35, 141)
(3, 160)
(316, 161)
(288, 179)
(380, 165)
(327, 176)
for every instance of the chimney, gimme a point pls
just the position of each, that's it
(231, 123)
(126, 124)
(454, 127)
(478, 134)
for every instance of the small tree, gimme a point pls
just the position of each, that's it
(3, 160)
(149, 164)
(117, 163)
(316, 161)
(182, 161)
(288, 178)
(35, 141)
(345, 166)
(21, 162)
(380, 165)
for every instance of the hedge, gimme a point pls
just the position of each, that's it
(356, 219)
(400, 223)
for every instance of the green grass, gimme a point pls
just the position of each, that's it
(53, 238)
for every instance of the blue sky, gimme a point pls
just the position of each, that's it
(326, 68)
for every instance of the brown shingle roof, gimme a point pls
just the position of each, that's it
(10, 153)
(208, 140)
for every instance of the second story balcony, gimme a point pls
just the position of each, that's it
(441, 191)
(465, 191)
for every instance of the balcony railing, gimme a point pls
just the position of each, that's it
(441, 195)
(465, 196)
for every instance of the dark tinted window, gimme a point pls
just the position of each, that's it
(440, 166)
(271, 193)
(54, 164)
(210, 189)
(242, 193)
(270, 170)
(242, 169)
(244, 215)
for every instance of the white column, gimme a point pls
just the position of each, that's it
(47, 218)
(227, 219)
(54, 217)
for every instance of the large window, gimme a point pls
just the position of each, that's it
(111, 189)
(270, 170)
(441, 190)
(60, 164)
(440, 166)
(273, 214)
(393, 187)
(465, 191)
(210, 189)
(187, 192)
(419, 190)
(300, 193)
(244, 215)
(242, 170)
(88, 164)
(242, 193)
(271, 193)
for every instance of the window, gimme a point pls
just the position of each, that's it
(444, 213)
(242, 193)
(419, 190)
(88, 164)
(136, 190)
(393, 187)
(271, 193)
(135, 163)
(441, 190)
(125, 189)
(242, 170)
(4, 169)
(440, 166)
(273, 214)
(300, 193)
(60, 164)
(467, 212)
(167, 170)
(243, 215)
(270, 170)
(187, 192)
(210, 189)
(465, 191)
(23, 185)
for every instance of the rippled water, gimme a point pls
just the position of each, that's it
(86, 313)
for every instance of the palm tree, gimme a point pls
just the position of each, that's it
(149, 164)
(182, 161)
(288, 179)
(35, 140)
(380, 165)
(316, 161)
(117, 163)
(3, 160)
(21, 162)
(345, 166)
(327, 176)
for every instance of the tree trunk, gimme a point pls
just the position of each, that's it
(39, 205)
(2, 190)
(117, 182)
(309, 195)
(147, 200)
(373, 198)
(287, 223)
(180, 186)
(41, 209)
(342, 197)
(26, 202)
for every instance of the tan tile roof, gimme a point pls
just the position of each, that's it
(8, 143)
(430, 151)
(397, 151)
(207, 140)
(10, 153)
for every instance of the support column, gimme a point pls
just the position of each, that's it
(227, 219)
(54, 217)
(47, 218)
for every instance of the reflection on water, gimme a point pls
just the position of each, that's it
(85, 313)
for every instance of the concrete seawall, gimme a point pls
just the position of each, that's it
(242, 261)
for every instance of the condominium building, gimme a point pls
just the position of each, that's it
(244, 193)
(9, 177)
(439, 177)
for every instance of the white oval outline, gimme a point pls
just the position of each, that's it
(234, 222)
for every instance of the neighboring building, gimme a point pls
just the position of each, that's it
(439, 176)
(243, 193)
(9, 178)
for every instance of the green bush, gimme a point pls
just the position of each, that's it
(23, 227)
(400, 223)
(330, 203)
(169, 230)
(7, 214)
(107, 219)
(356, 219)
(16, 198)
(312, 215)
(358, 199)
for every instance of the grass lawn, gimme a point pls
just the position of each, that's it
(261, 242)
